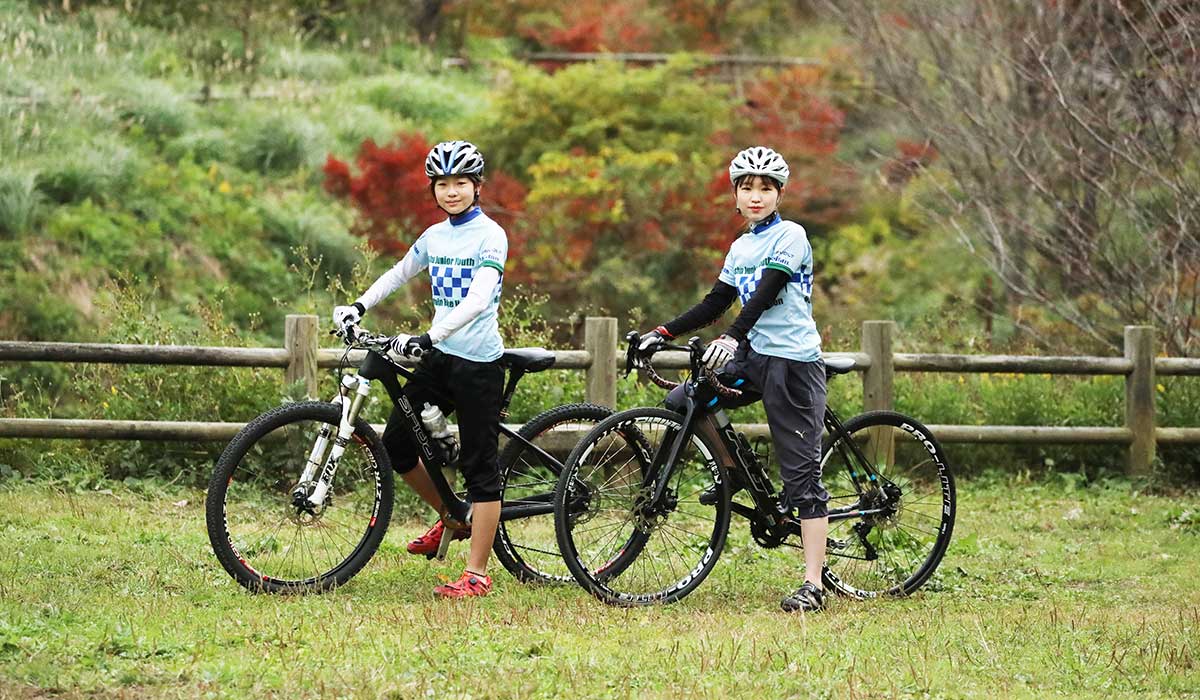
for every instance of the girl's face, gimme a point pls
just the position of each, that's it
(454, 194)
(757, 198)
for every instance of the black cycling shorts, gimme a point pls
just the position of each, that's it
(475, 390)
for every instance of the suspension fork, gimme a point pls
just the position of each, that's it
(361, 387)
(316, 457)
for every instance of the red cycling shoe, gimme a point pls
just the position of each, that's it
(427, 544)
(468, 585)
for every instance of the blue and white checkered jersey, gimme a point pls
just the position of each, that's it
(786, 329)
(453, 252)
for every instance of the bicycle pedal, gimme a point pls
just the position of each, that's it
(444, 544)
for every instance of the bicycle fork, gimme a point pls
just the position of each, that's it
(345, 429)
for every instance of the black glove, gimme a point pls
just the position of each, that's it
(654, 340)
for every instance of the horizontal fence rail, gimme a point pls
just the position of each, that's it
(601, 360)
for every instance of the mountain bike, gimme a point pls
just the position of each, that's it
(300, 499)
(643, 505)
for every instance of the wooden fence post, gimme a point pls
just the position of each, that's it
(300, 340)
(877, 380)
(600, 339)
(1139, 399)
(877, 388)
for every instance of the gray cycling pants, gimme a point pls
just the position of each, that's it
(793, 394)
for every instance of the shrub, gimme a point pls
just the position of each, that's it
(310, 230)
(145, 392)
(19, 202)
(279, 144)
(427, 100)
(91, 171)
(586, 107)
(307, 65)
(204, 146)
(391, 191)
(355, 124)
(154, 108)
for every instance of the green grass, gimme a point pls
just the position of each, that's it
(1048, 590)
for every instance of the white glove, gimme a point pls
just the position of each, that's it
(396, 347)
(719, 352)
(345, 315)
(651, 341)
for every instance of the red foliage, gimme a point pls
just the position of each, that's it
(788, 111)
(392, 194)
(503, 198)
(699, 22)
(337, 177)
(391, 191)
(582, 25)
(911, 157)
(583, 36)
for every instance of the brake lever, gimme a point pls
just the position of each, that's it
(631, 339)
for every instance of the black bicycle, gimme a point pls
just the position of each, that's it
(642, 508)
(301, 497)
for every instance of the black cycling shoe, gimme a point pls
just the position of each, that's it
(807, 598)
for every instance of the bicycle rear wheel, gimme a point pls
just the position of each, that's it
(526, 546)
(895, 551)
(618, 545)
(267, 541)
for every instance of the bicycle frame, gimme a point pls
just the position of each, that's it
(351, 395)
(740, 459)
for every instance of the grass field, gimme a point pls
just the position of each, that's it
(1049, 589)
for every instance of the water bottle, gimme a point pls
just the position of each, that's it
(435, 422)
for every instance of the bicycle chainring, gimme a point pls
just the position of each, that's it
(763, 536)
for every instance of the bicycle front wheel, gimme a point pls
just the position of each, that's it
(906, 490)
(529, 469)
(616, 541)
(268, 539)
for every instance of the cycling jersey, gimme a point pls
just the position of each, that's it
(453, 251)
(786, 329)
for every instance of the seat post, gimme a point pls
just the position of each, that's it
(514, 376)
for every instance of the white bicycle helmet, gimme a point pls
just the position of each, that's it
(759, 160)
(454, 158)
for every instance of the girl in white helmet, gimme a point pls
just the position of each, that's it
(772, 351)
(465, 256)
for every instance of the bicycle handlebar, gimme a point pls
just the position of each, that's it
(694, 348)
(355, 336)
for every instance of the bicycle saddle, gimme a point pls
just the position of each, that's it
(527, 359)
(838, 365)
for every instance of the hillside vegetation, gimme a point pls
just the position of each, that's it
(191, 173)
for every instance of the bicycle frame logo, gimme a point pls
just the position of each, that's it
(431, 457)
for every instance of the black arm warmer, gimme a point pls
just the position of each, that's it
(706, 312)
(764, 296)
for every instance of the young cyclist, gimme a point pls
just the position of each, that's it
(459, 369)
(772, 350)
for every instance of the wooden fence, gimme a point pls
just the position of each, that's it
(301, 359)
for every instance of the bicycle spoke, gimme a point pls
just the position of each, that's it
(296, 546)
